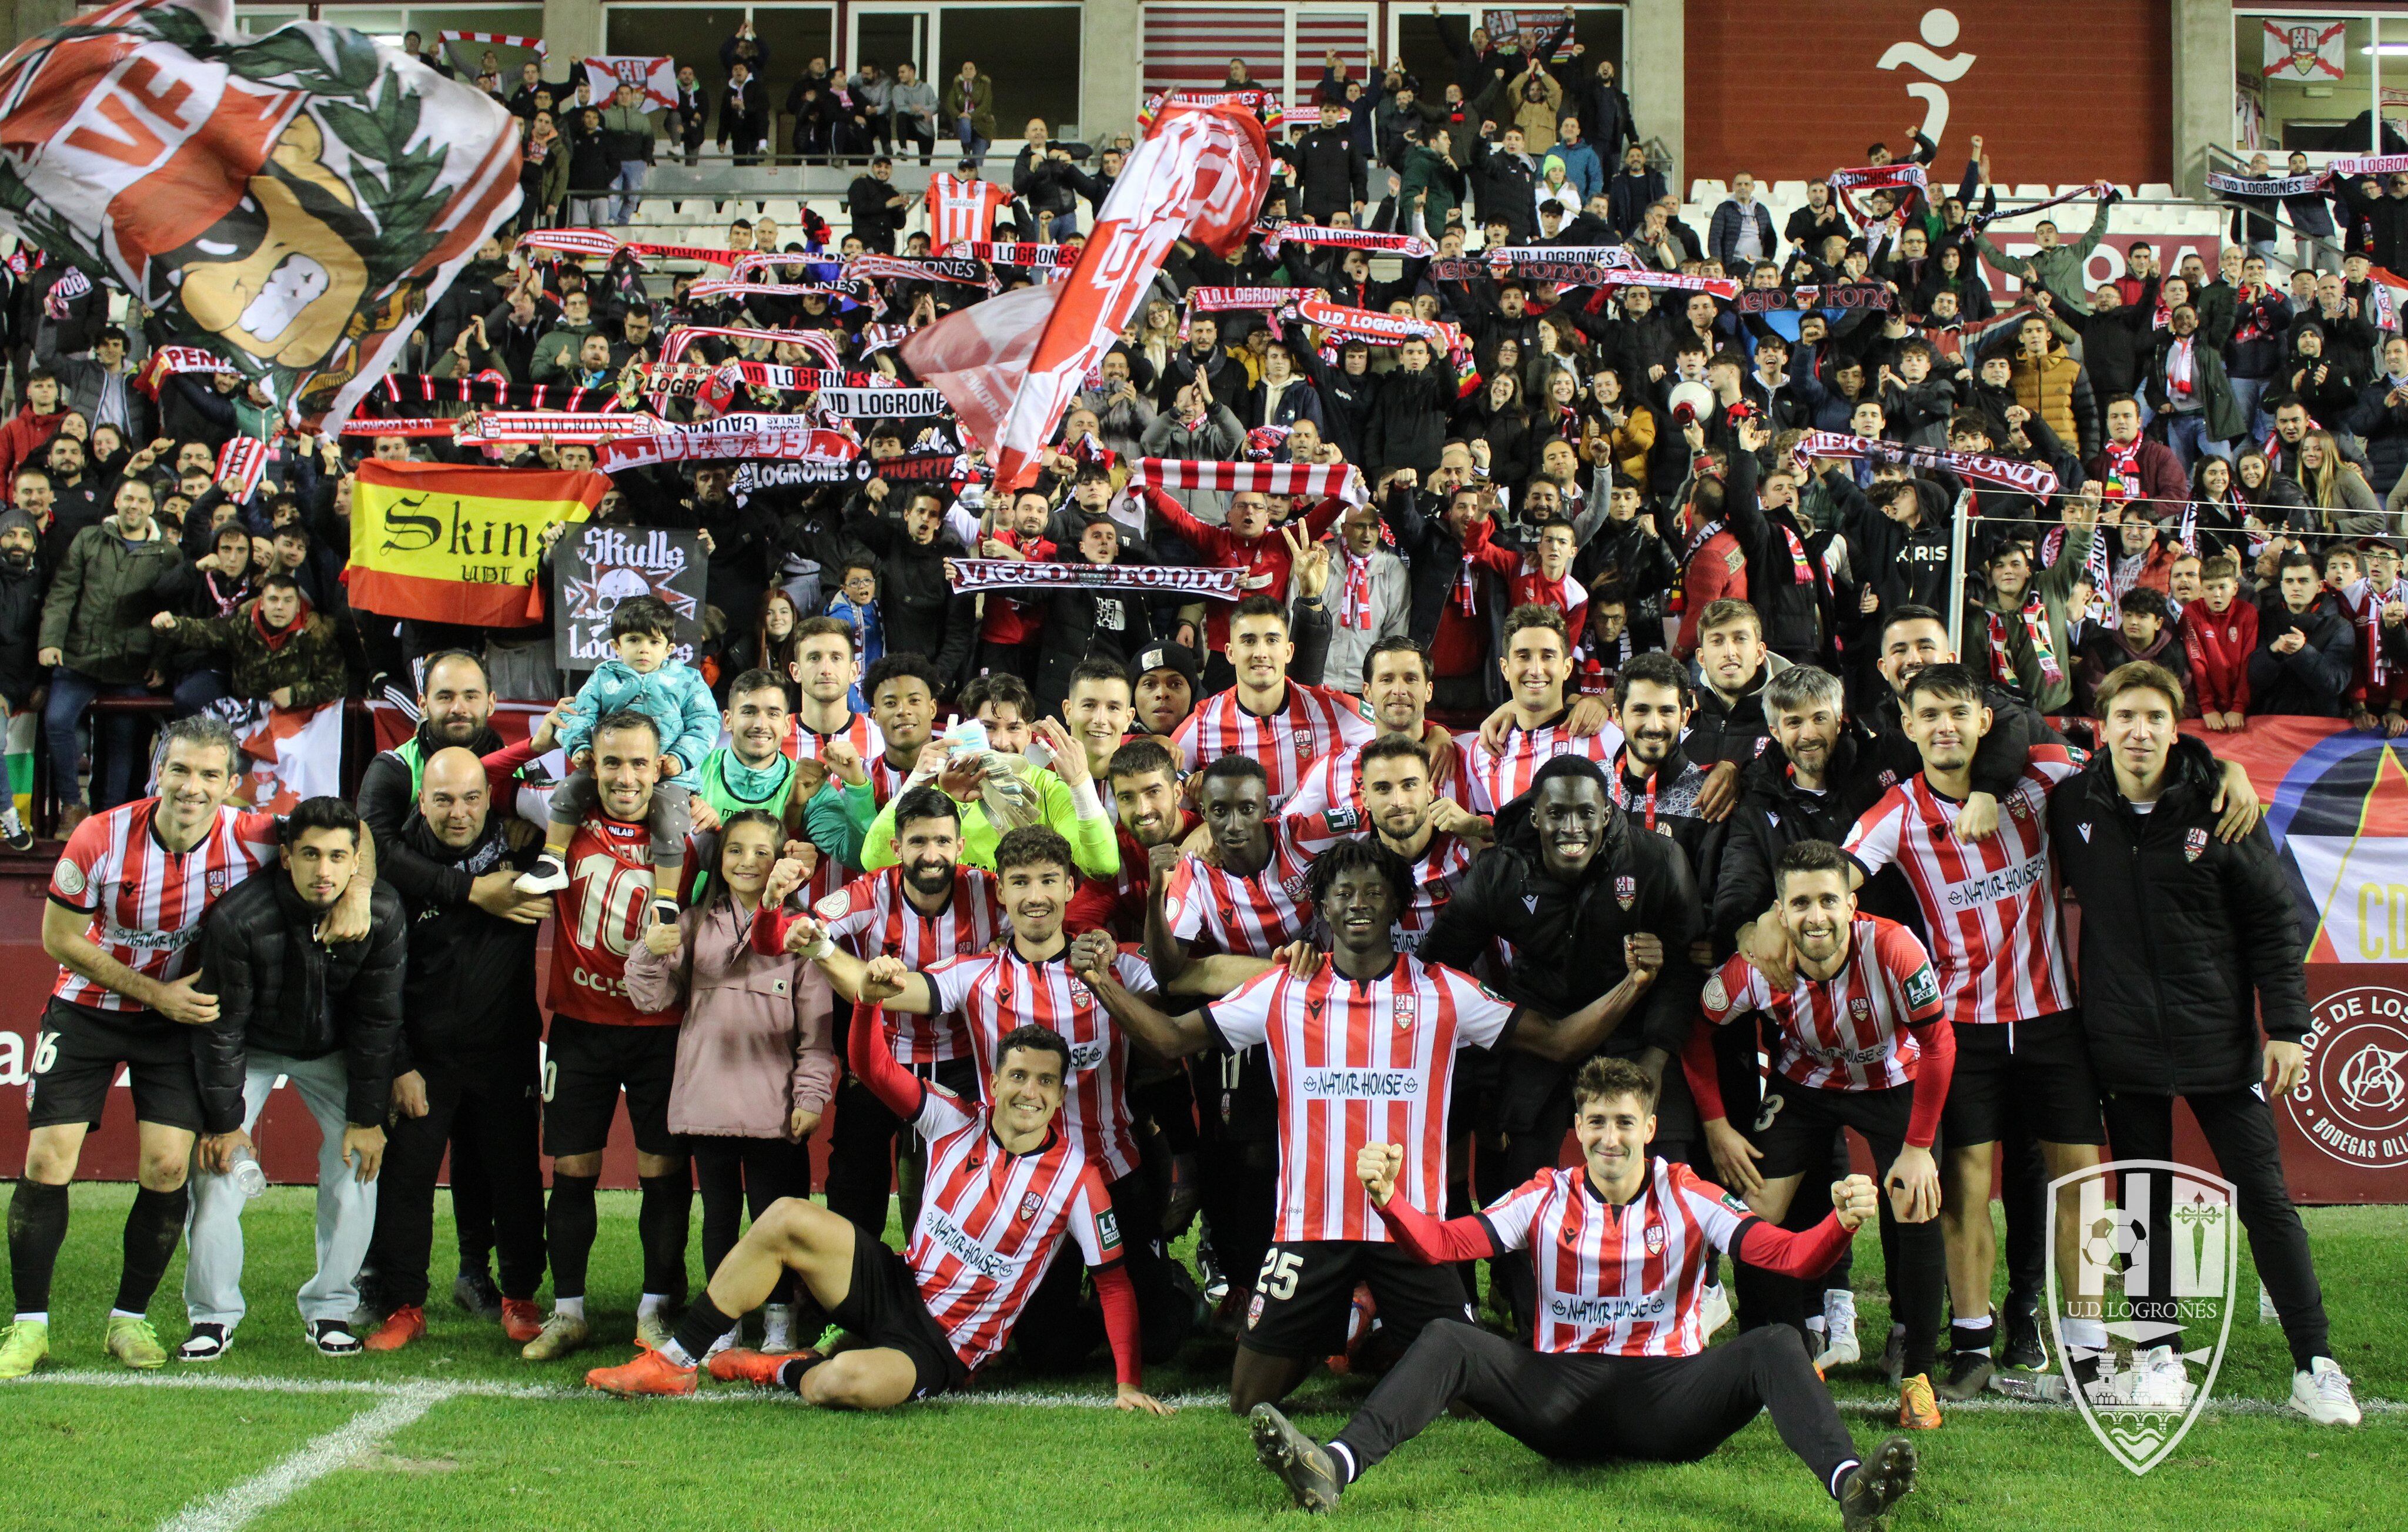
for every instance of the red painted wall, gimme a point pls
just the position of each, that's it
(2060, 91)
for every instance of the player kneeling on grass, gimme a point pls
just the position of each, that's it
(1621, 1368)
(1005, 1184)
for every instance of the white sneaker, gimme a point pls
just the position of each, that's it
(2161, 1381)
(1839, 1318)
(2267, 1313)
(2322, 1393)
(778, 1327)
(1716, 1310)
(548, 876)
(729, 1342)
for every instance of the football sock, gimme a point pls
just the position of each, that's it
(569, 1308)
(1970, 1335)
(790, 1374)
(152, 1227)
(1342, 1457)
(663, 1214)
(702, 1324)
(38, 1227)
(1839, 1476)
(569, 1227)
(2088, 1334)
(778, 1327)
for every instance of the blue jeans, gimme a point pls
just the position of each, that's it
(120, 752)
(196, 691)
(629, 181)
(2184, 429)
(2247, 393)
(1061, 226)
(972, 145)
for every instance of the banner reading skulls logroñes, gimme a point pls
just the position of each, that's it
(294, 202)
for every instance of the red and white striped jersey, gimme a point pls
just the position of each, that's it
(990, 1222)
(995, 992)
(872, 917)
(1990, 907)
(1310, 723)
(1620, 1282)
(1847, 1032)
(1335, 781)
(1358, 1062)
(1443, 864)
(962, 209)
(860, 733)
(146, 902)
(1251, 916)
(1497, 780)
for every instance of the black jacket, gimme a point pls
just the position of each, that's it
(924, 613)
(1774, 813)
(388, 801)
(2187, 942)
(20, 633)
(471, 985)
(1408, 421)
(282, 990)
(2309, 682)
(1330, 171)
(1789, 610)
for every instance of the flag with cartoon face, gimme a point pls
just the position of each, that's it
(293, 203)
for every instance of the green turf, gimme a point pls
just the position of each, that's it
(523, 1445)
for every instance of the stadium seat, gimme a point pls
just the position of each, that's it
(2154, 190)
(1709, 194)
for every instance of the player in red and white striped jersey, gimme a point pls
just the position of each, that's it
(1028, 983)
(825, 668)
(1990, 909)
(1362, 1050)
(1284, 724)
(1621, 1369)
(961, 209)
(126, 904)
(1143, 777)
(1537, 662)
(1437, 838)
(1006, 1184)
(1397, 690)
(1862, 1044)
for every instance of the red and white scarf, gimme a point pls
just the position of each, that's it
(798, 443)
(998, 253)
(2033, 479)
(2034, 618)
(1377, 328)
(1306, 480)
(825, 344)
(1036, 574)
(496, 39)
(1410, 245)
(1354, 599)
(2178, 368)
(1874, 178)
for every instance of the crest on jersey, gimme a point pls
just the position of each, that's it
(217, 882)
(1408, 1010)
(69, 877)
(1295, 886)
(1861, 1007)
(1716, 995)
(2018, 807)
(2194, 845)
(1625, 890)
(834, 906)
(1654, 1238)
(1029, 1205)
(1889, 778)
(2155, 1372)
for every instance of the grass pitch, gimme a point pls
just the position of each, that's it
(456, 1431)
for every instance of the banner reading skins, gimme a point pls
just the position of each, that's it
(447, 544)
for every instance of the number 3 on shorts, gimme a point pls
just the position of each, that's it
(1278, 1276)
(46, 1053)
(1772, 1104)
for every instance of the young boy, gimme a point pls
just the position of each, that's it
(678, 700)
(2374, 607)
(2219, 632)
(857, 602)
(2144, 630)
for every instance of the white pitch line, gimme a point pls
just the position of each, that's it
(1027, 1398)
(241, 1504)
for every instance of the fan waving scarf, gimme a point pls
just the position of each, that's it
(294, 202)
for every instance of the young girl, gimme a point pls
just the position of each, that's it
(755, 1063)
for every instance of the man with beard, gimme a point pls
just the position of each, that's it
(1535, 726)
(1437, 838)
(1569, 877)
(1398, 1023)
(1651, 778)
(1396, 687)
(1374, 598)
(467, 1073)
(20, 623)
(75, 495)
(924, 614)
(455, 705)
(1281, 725)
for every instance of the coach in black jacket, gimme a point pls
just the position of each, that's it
(466, 1063)
(2190, 943)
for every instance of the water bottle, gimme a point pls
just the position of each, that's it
(246, 1174)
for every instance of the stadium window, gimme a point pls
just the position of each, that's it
(1031, 53)
(1598, 29)
(793, 35)
(2312, 82)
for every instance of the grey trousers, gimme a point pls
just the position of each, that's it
(345, 1209)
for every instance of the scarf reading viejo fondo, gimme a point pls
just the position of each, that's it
(1150, 578)
(2033, 478)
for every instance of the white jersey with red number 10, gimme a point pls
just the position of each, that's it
(1618, 1281)
(1497, 778)
(1847, 1032)
(1359, 1062)
(997, 992)
(1990, 906)
(1310, 723)
(990, 1223)
(146, 902)
(960, 210)
(1250, 916)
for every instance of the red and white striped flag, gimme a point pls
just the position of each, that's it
(1305, 481)
(499, 39)
(243, 460)
(572, 241)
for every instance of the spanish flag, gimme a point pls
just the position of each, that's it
(463, 545)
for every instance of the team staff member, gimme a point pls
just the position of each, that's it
(123, 920)
(326, 1017)
(1626, 1236)
(2188, 946)
(468, 1067)
(1569, 877)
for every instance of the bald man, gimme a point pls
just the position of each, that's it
(467, 1060)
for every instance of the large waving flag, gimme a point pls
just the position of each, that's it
(292, 202)
(1009, 365)
(458, 545)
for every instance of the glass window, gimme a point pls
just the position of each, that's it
(1031, 52)
(259, 21)
(1597, 29)
(689, 33)
(889, 37)
(2394, 32)
(2314, 86)
(794, 36)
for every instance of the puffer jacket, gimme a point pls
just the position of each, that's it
(2187, 942)
(756, 1040)
(2057, 390)
(309, 661)
(20, 623)
(98, 612)
(282, 990)
(675, 698)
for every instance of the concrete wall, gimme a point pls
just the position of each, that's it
(1109, 78)
(1655, 74)
(2201, 106)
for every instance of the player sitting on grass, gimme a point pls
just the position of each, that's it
(1621, 1368)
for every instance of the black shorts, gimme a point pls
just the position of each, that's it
(78, 1051)
(586, 1066)
(1794, 1127)
(1303, 1295)
(2035, 1072)
(883, 1309)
